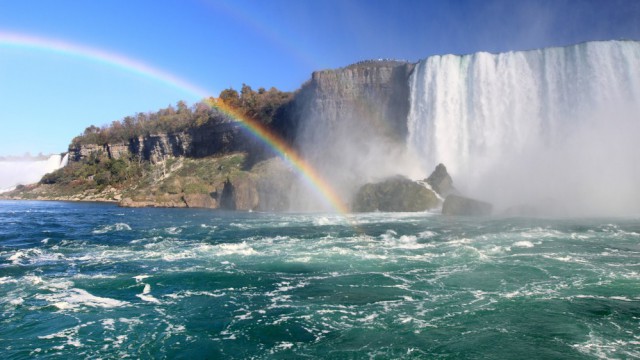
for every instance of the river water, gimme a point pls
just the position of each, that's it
(82, 280)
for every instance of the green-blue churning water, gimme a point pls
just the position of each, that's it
(98, 281)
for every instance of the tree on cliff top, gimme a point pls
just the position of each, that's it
(261, 106)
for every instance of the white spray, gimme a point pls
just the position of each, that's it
(556, 128)
(17, 171)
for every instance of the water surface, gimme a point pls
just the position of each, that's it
(94, 280)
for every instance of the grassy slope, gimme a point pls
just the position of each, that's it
(162, 184)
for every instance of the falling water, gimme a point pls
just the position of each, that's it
(554, 127)
(28, 170)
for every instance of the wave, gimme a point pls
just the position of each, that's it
(110, 228)
(78, 299)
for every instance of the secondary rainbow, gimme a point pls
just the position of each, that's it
(310, 175)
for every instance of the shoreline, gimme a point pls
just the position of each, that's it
(105, 201)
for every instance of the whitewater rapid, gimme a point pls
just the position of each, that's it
(89, 280)
(555, 127)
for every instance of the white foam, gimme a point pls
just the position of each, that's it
(145, 295)
(139, 278)
(566, 258)
(115, 227)
(34, 256)
(323, 220)
(33, 279)
(284, 345)
(74, 299)
(189, 293)
(409, 242)
(16, 302)
(173, 230)
(426, 234)
(523, 244)
(7, 280)
(369, 319)
(235, 249)
(109, 324)
(608, 348)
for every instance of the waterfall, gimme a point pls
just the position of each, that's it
(555, 126)
(64, 161)
(27, 170)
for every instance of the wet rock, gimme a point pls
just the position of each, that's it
(200, 201)
(394, 194)
(440, 181)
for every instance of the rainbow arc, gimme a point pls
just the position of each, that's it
(278, 145)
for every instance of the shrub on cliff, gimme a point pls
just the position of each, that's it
(261, 105)
(101, 171)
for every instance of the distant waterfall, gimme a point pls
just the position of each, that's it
(64, 161)
(557, 125)
(22, 171)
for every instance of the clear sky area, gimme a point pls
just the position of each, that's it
(68, 64)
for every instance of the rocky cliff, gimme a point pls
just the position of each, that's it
(374, 94)
(216, 139)
(350, 123)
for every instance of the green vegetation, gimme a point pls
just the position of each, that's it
(98, 171)
(168, 181)
(99, 177)
(262, 105)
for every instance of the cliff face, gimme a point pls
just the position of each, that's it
(196, 143)
(372, 93)
(351, 123)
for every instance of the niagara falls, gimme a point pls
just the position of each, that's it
(553, 128)
(339, 179)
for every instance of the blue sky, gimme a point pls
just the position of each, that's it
(47, 97)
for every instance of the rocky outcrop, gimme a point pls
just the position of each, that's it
(216, 139)
(440, 181)
(117, 151)
(274, 182)
(84, 151)
(200, 201)
(158, 147)
(460, 205)
(394, 194)
(350, 123)
(247, 197)
(372, 95)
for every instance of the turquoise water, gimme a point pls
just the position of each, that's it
(98, 281)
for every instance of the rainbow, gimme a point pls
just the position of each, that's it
(308, 173)
(101, 56)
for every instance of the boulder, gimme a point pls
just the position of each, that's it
(200, 201)
(241, 194)
(245, 195)
(440, 181)
(460, 205)
(394, 194)
(227, 197)
(274, 181)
